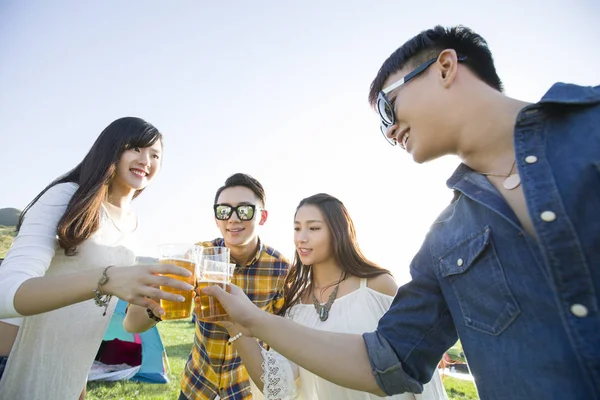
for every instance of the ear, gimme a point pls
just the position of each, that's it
(448, 66)
(264, 214)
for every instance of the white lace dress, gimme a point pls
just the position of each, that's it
(356, 312)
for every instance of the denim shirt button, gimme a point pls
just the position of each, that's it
(548, 216)
(579, 310)
(459, 262)
(531, 159)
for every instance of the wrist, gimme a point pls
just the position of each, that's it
(107, 287)
(153, 316)
(259, 324)
(101, 298)
(234, 338)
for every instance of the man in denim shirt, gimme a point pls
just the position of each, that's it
(512, 266)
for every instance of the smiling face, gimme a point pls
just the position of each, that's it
(136, 167)
(312, 236)
(235, 231)
(426, 109)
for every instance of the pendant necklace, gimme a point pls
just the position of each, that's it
(323, 309)
(512, 181)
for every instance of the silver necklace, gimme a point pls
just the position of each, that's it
(323, 309)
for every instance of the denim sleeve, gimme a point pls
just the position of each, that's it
(413, 334)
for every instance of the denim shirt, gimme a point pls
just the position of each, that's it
(526, 309)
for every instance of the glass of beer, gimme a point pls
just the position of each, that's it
(186, 256)
(214, 269)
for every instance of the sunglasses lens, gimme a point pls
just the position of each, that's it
(246, 213)
(385, 111)
(223, 212)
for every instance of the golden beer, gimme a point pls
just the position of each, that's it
(209, 309)
(176, 309)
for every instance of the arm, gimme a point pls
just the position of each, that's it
(137, 319)
(413, 334)
(399, 357)
(250, 352)
(30, 256)
(25, 290)
(8, 334)
(339, 358)
(271, 373)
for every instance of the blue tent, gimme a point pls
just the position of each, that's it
(152, 368)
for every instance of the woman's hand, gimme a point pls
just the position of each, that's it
(231, 327)
(140, 284)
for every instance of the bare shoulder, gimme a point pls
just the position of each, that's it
(383, 283)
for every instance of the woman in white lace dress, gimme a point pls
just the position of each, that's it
(331, 286)
(58, 273)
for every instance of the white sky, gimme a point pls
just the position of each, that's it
(274, 89)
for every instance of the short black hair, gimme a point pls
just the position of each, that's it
(429, 44)
(246, 181)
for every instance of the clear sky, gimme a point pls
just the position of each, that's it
(274, 89)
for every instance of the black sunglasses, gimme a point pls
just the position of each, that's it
(245, 212)
(385, 106)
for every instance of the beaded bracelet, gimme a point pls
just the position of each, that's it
(234, 338)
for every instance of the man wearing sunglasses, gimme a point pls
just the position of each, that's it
(512, 266)
(213, 370)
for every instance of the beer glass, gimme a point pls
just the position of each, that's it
(186, 256)
(214, 269)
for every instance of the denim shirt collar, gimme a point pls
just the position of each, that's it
(559, 93)
(566, 93)
(477, 187)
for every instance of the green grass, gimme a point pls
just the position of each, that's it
(458, 389)
(178, 337)
(7, 235)
(455, 352)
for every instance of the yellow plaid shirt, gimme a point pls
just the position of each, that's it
(214, 370)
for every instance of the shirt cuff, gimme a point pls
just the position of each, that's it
(9, 288)
(387, 367)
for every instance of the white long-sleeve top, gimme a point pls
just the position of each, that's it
(35, 245)
(54, 351)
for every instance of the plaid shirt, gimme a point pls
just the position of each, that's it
(214, 370)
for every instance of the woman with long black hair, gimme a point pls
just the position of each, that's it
(333, 287)
(72, 254)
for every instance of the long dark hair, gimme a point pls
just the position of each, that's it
(93, 174)
(346, 252)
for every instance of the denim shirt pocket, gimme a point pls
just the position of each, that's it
(477, 278)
